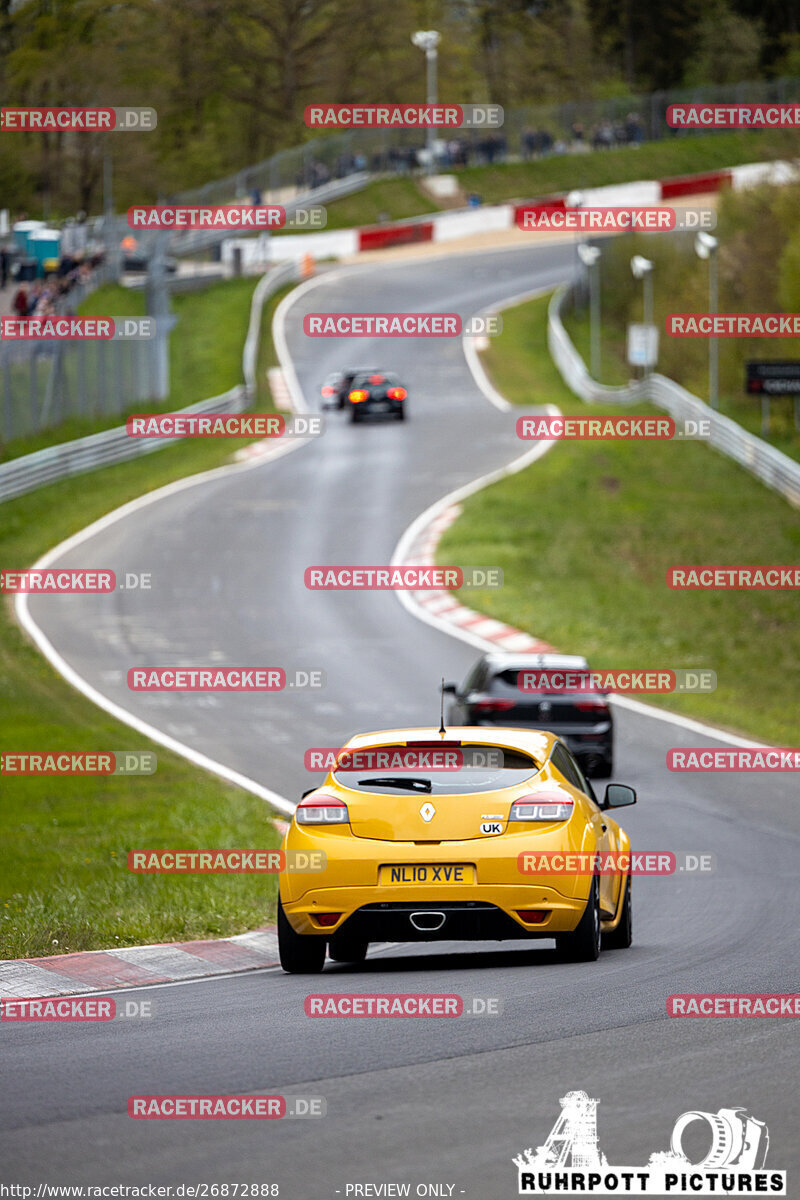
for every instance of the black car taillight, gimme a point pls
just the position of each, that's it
(492, 706)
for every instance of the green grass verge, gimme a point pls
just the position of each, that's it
(65, 885)
(400, 198)
(586, 534)
(395, 199)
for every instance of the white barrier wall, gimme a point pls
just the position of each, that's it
(467, 222)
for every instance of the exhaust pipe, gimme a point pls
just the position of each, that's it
(427, 922)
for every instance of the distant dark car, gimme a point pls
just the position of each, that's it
(494, 693)
(376, 392)
(335, 388)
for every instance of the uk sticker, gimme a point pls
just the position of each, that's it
(491, 827)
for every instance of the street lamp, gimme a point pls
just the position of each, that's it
(590, 257)
(705, 246)
(428, 40)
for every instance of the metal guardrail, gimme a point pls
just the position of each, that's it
(33, 471)
(771, 466)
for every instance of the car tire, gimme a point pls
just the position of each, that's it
(347, 950)
(300, 954)
(401, 414)
(583, 944)
(621, 937)
(355, 416)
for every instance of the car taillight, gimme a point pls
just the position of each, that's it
(490, 706)
(544, 808)
(325, 810)
(397, 393)
(595, 706)
(357, 396)
(328, 391)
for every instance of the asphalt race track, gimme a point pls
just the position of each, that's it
(421, 1101)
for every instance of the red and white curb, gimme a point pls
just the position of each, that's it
(280, 389)
(421, 551)
(137, 966)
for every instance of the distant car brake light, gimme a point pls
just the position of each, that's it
(377, 379)
(546, 808)
(595, 706)
(490, 706)
(357, 396)
(328, 390)
(397, 393)
(325, 810)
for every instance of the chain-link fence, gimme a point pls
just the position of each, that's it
(534, 131)
(46, 382)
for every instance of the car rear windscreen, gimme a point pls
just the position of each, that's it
(434, 768)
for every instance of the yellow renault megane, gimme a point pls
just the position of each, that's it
(460, 835)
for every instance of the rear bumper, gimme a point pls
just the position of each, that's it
(384, 914)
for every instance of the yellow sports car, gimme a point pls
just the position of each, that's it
(469, 834)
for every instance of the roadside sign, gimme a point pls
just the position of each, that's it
(642, 345)
(773, 378)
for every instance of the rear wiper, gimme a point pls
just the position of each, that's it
(409, 782)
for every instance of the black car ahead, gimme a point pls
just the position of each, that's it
(527, 691)
(376, 392)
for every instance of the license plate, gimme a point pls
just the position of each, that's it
(415, 873)
(380, 405)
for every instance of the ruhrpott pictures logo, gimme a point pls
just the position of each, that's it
(570, 1162)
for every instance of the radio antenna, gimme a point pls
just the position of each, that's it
(441, 722)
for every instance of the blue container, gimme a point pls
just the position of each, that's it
(22, 231)
(42, 244)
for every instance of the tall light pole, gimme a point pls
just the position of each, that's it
(590, 257)
(642, 268)
(705, 246)
(428, 40)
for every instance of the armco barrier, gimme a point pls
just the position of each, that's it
(776, 470)
(32, 471)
